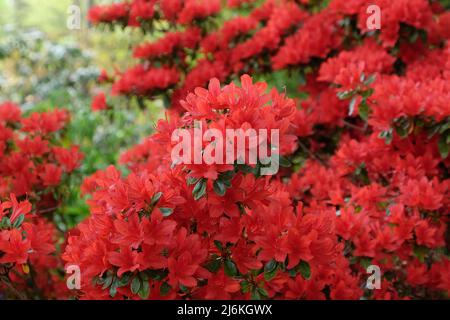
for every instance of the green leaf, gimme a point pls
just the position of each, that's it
(114, 286)
(351, 106)
(270, 270)
(444, 147)
(18, 222)
(191, 181)
(230, 268)
(421, 252)
(362, 77)
(219, 187)
(245, 168)
(433, 130)
(387, 135)
(156, 198)
(245, 286)
(370, 79)
(284, 162)
(145, 290)
(218, 245)
(444, 127)
(136, 285)
(365, 262)
(364, 111)
(154, 274)
(263, 292)
(6, 223)
(124, 280)
(305, 269)
(107, 282)
(367, 93)
(270, 266)
(199, 189)
(164, 289)
(256, 295)
(183, 288)
(344, 95)
(213, 265)
(166, 211)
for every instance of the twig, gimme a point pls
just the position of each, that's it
(351, 125)
(312, 155)
(18, 294)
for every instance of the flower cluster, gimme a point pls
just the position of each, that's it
(364, 150)
(208, 231)
(33, 169)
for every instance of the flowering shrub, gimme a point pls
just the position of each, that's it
(33, 174)
(364, 142)
(365, 147)
(212, 232)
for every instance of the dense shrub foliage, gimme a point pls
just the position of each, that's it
(364, 124)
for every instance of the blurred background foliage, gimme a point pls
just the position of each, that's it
(44, 65)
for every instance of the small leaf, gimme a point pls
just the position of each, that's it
(164, 289)
(362, 77)
(365, 262)
(284, 162)
(218, 244)
(351, 106)
(191, 181)
(213, 266)
(444, 127)
(6, 223)
(255, 295)
(370, 79)
(219, 188)
(183, 288)
(199, 189)
(420, 252)
(270, 266)
(364, 110)
(444, 147)
(124, 281)
(367, 93)
(230, 268)
(166, 211)
(292, 272)
(305, 270)
(245, 168)
(270, 270)
(135, 285)
(263, 292)
(386, 135)
(18, 222)
(245, 286)
(107, 282)
(156, 198)
(113, 288)
(344, 95)
(145, 290)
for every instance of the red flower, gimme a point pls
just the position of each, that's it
(10, 112)
(181, 270)
(99, 102)
(50, 175)
(18, 207)
(220, 287)
(126, 260)
(15, 249)
(69, 158)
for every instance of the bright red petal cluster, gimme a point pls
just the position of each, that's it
(32, 168)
